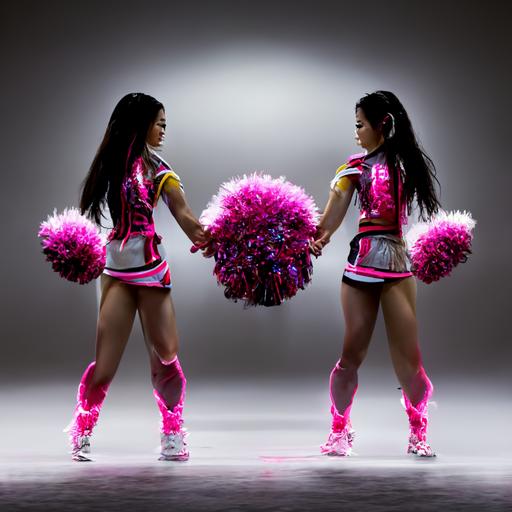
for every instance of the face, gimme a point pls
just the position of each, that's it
(366, 136)
(156, 132)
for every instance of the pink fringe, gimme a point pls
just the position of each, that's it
(261, 228)
(73, 245)
(172, 420)
(418, 418)
(87, 411)
(339, 421)
(83, 422)
(418, 415)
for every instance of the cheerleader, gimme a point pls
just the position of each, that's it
(388, 176)
(127, 178)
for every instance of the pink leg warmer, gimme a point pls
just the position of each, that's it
(169, 385)
(343, 387)
(421, 390)
(89, 402)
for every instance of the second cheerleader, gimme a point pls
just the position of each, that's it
(391, 173)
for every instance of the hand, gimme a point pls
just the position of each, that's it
(204, 242)
(320, 240)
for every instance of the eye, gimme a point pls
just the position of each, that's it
(359, 125)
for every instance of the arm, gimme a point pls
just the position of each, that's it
(334, 213)
(178, 206)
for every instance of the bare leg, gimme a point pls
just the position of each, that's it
(360, 307)
(158, 321)
(117, 311)
(157, 316)
(115, 322)
(399, 308)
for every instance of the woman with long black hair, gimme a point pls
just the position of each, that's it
(127, 177)
(392, 173)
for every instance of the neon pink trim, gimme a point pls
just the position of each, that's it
(418, 418)
(167, 363)
(375, 273)
(135, 275)
(156, 284)
(337, 416)
(172, 420)
(87, 410)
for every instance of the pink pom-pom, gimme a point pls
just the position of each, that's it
(73, 245)
(440, 245)
(261, 228)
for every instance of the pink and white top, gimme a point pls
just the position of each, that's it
(133, 254)
(379, 187)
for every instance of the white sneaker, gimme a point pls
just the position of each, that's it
(80, 448)
(174, 446)
(339, 444)
(419, 447)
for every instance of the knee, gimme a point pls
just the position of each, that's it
(166, 355)
(165, 351)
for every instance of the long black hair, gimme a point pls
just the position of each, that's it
(123, 142)
(384, 111)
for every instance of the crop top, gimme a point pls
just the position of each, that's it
(379, 187)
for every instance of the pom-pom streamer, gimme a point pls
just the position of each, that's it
(73, 245)
(261, 228)
(436, 247)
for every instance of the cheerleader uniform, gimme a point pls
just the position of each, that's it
(134, 257)
(377, 255)
(134, 254)
(378, 252)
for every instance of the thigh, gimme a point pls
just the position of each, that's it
(118, 306)
(398, 301)
(157, 316)
(360, 308)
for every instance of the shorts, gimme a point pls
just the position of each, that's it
(377, 257)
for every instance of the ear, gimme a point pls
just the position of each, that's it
(389, 121)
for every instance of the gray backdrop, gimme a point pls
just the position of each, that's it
(253, 86)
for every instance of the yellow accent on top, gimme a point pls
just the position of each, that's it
(341, 168)
(343, 184)
(340, 183)
(175, 182)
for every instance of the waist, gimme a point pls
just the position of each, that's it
(124, 232)
(137, 251)
(377, 227)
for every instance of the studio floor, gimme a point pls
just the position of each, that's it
(254, 446)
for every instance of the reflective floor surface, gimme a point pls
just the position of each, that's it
(255, 447)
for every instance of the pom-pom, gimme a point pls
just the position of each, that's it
(73, 245)
(436, 247)
(261, 228)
